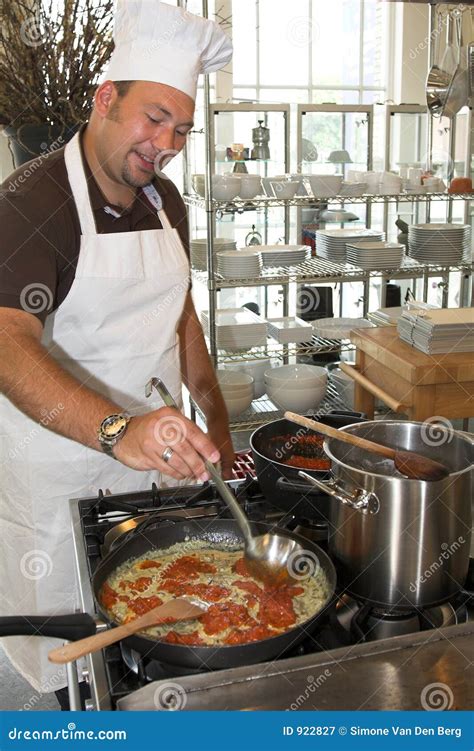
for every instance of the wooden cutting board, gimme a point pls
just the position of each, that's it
(383, 345)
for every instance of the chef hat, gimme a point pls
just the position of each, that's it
(157, 42)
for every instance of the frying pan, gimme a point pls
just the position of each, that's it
(160, 534)
(280, 483)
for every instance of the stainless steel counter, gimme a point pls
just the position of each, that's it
(388, 674)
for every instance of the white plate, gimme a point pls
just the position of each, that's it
(338, 328)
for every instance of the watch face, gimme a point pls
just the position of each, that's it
(114, 425)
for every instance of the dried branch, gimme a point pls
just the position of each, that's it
(51, 59)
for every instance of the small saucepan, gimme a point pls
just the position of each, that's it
(275, 442)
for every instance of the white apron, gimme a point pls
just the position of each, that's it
(115, 330)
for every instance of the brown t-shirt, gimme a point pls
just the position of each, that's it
(40, 233)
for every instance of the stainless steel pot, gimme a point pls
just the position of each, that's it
(400, 543)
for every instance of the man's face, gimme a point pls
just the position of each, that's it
(142, 130)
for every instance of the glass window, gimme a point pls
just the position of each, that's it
(336, 45)
(244, 31)
(285, 41)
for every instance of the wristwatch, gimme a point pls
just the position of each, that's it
(111, 430)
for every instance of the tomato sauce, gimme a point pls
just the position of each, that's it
(142, 605)
(149, 564)
(188, 567)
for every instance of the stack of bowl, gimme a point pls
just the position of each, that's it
(237, 390)
(298, 388)
(254, 368)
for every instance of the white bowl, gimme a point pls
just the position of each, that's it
(250, 186)
(235, 406)
(285, 189)
(225, 187)
(296, 376)
(231, 379)
(254, 368)
(325, 185)
(297, 400)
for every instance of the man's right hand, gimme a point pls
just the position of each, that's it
(147, 437)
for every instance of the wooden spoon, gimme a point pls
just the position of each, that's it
(412, 465)
(179, 609)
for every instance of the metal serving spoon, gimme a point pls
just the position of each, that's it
(274, 559)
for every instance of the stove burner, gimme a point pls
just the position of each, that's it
(368, 623)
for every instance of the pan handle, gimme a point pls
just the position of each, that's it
(361, 500)
(70, 627)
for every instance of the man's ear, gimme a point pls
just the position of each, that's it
(105, 98)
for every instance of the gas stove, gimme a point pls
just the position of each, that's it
(120, 678)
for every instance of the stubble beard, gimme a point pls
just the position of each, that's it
(131, 180)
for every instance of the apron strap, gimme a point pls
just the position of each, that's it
(78, 182)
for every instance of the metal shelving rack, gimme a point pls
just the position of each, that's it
(313, 270)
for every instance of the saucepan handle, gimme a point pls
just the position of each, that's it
(361, 500)
(69, 627)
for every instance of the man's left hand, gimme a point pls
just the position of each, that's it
(220, 436)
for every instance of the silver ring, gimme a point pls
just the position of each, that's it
(167, 454)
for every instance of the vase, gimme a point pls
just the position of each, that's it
(30, 141)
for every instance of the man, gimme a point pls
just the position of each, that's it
(95, 301)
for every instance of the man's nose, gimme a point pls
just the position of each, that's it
(164, 140)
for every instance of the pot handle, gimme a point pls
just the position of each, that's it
(283, 483)
(360, 501)
(71, 627)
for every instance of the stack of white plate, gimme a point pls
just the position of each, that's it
(237, 329)
(239, 264)
(284, 255)
(438, 331)
(199, 250)
(290, 329)
(375, 255)
(440, 243)
(331, 243)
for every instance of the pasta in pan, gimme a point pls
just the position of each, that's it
(242, 609)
